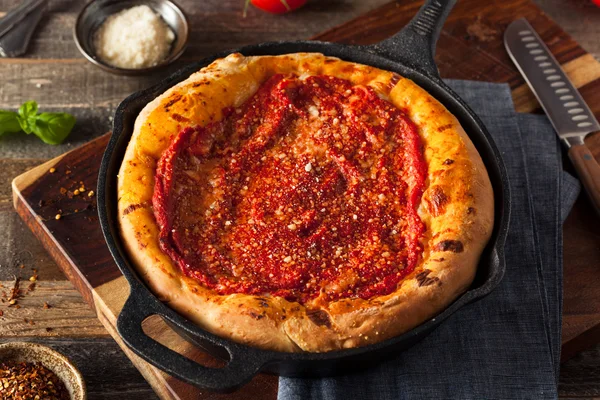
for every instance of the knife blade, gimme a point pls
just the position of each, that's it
(567, 110)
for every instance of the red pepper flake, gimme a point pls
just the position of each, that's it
(33, 279)
(23, 380)
(15, 292)
(1, 313)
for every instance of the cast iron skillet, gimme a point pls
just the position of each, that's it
(409, 53)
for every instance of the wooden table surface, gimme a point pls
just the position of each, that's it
(55, 75)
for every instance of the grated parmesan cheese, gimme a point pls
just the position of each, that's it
(133, 38)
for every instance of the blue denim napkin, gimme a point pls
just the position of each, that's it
(506, 345)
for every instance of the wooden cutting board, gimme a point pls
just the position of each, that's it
(470, 47)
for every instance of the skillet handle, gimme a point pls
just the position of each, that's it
(415, 44)
(238, 371)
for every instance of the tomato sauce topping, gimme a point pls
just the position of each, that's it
(308, 190)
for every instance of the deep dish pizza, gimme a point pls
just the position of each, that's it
(303, 203)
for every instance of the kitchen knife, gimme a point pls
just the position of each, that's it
(571, 117)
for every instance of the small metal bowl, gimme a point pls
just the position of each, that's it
(51, 359)
(95, 12)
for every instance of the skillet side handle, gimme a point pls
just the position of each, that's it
(238, 371)
(415, 44)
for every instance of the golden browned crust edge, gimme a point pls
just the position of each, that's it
(457, 208)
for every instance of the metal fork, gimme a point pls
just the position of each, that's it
(17, 26)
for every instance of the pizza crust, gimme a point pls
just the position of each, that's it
(457, 208)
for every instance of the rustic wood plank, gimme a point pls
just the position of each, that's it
(580, 376)
(10, 169)
(577, 17)
(19, 246)
(86, 88)
(582, 264)
(68, 314)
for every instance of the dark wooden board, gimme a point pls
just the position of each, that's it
(470, 47)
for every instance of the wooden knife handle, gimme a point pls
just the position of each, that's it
(588, 171)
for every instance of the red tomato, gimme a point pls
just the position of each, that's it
(278, 6)
(596, 2)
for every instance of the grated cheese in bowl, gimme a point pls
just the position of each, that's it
(133, 38)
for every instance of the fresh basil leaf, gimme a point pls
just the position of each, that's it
(53, 128)
(9, 122)
(28, 109)
(27, 113)
(25, 125)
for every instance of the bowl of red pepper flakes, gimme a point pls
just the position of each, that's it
(31, 371)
